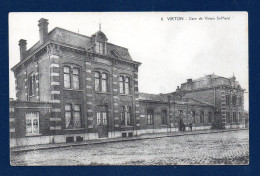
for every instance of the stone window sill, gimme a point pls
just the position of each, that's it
(73, 129)
(31, 135)
(78, 90)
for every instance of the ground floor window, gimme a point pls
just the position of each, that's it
(234, 117)
(72, 116)
(201, 116)
(126, 118)
(32, 123)
(164, 117)
(228, 117)
(193, 116)
(210, 117)
(150, 117)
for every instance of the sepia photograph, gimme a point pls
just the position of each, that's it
(128, 88)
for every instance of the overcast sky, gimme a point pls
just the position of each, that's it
(171, 51)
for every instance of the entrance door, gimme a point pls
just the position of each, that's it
(102, 124)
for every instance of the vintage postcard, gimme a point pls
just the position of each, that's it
(128, 88)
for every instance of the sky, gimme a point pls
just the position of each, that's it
(171, 50)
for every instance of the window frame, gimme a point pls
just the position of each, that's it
(71, 76)
(164, 115)
(210, 117)
(126, 116)
(32, 123)
(72, 113)
(125, 84)
(150, 117)
(100, 80)
(32, 85)
(202, 117)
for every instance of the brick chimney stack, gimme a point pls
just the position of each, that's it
(43, 30)
(23, 48)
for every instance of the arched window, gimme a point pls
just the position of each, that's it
(32, 84)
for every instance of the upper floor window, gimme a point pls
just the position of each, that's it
(72, 116)
(234, 100)
(32, 123)
(101, 82)
(240, 101)
(164, 117)
(150, 117)
(32, 84)
(227, 99)
(126, 118)
(124, 85)
(201, 116)
(71, 77)
(100, 47)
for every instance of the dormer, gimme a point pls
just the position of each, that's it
(100, 41)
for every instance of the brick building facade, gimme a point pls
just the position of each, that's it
(71, 87)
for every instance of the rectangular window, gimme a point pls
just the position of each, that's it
(128, 115)
(32, 85)
(66, 71)
(97, 83)
(150, 120)
(98, 119)
(228, 117)
(127, 85)
(234, 100)
(122, 115)
(75, 78)
(68, 116)
(32, 123)
(193, 116)
(234, 117)
(240, 101)
(121, 84)
(240, 117)
(227, 99)
(164, 117)
(72, 116)
(104, 82)
(76, 116)
(104, 116)
(210, 117)
(202, 117)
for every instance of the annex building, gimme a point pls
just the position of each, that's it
(71, 87)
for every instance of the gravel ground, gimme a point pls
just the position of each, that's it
(230, 148)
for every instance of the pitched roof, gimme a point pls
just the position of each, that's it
(79, 40)
(151, 97)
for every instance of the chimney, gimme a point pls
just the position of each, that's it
(189, 80)
(43, 30)
(23, 48)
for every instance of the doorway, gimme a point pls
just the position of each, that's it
(102, 124)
